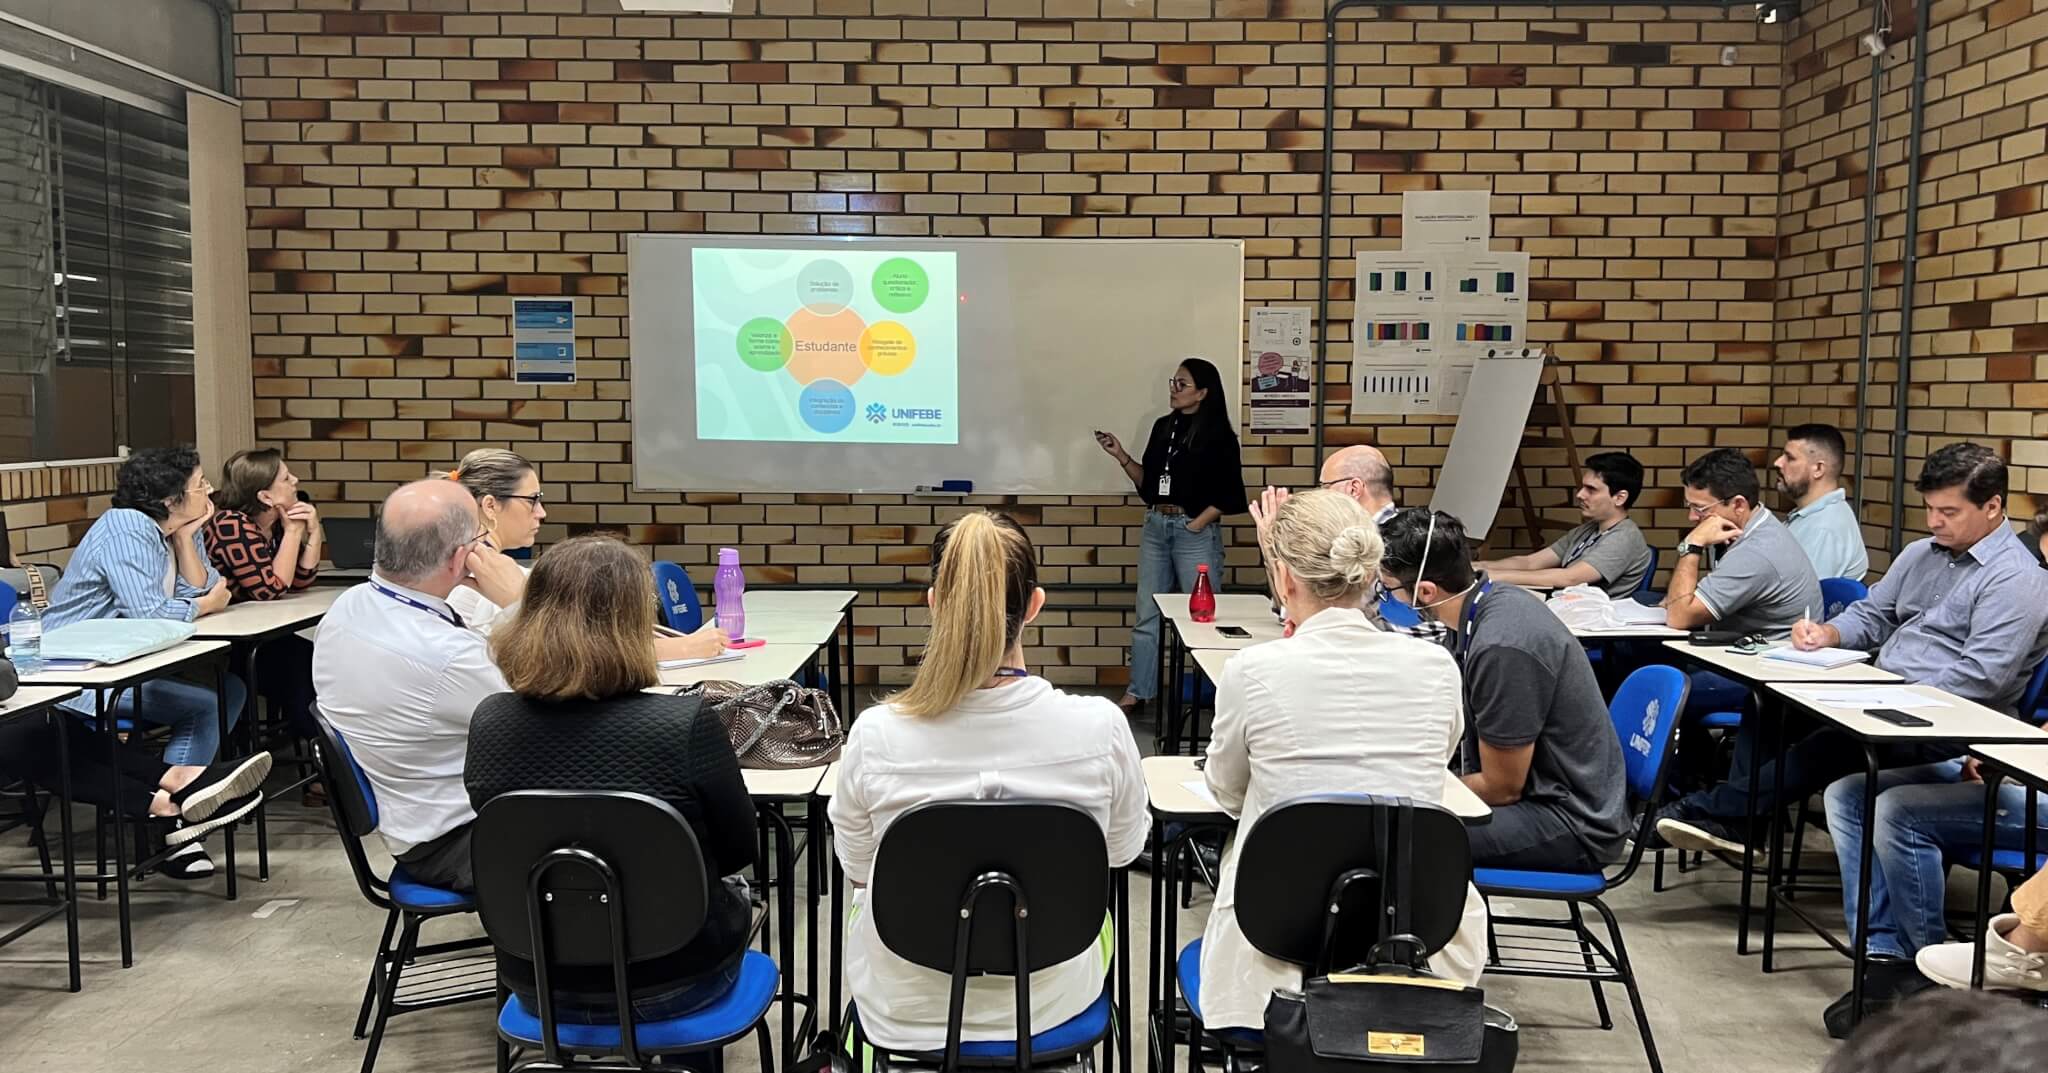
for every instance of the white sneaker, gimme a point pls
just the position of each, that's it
(2006, 967)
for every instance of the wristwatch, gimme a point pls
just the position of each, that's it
(1686, 547)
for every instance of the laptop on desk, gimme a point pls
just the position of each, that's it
(351, 546)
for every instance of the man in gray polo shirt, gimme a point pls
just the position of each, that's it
(1762, 581)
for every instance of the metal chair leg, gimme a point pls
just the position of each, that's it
(1628, 980)
(373, 985)
(1657, 872)
(408, 938)
(1586, 951)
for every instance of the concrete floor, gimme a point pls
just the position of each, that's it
(271, 982)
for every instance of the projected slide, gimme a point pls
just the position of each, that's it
(859, 346)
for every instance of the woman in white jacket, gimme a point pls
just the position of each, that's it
(1336, 707)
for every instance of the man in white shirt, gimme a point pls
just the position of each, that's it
(399, 676)
(1810, 472)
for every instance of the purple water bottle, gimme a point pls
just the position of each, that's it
(729, 589)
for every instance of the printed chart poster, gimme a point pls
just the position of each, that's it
(849, 347)
(1281, 369)
(543, 341)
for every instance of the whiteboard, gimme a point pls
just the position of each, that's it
(1056, 338)
(1475, 471)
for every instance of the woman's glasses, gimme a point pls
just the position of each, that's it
(1178, 384)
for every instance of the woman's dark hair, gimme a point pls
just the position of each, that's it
(1971, 466)
(1724, 474)
(244, 474)
(1214, 414)
(153, 475)
(1409, 541)
(2037, 529)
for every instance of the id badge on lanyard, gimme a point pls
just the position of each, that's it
(1166, 483)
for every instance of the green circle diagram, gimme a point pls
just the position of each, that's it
(901, 285)
(764, 344)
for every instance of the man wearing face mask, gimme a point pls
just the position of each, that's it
(1539, 746)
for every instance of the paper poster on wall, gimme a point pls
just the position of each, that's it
(1280, 365)
(1394, 388)
(1485, 303)
(1453, 380)
(543, 341)
(1445, 220)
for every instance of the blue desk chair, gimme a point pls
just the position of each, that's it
(676, 597)
(2012, 863)
(407, 903)
(1645, 713)
(973, 888)
(1309, 892)
(1648, 585)
(8, 598)
(604, 880)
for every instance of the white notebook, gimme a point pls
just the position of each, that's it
(1828, 658)
(726, 656)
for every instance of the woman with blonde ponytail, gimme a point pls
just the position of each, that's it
(1337, 707)
(975, 724)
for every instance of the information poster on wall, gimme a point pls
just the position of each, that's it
(1426, 313)
(1280, 365)
(543, 341)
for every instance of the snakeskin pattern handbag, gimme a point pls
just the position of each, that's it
(777, 725)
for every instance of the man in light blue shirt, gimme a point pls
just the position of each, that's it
(1810, 472)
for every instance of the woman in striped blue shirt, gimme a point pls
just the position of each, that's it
(145, 558)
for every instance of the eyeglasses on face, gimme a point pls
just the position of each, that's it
(1698, 510)
(534, 500)
(1179, 384)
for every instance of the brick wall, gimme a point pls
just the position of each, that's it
(1980, 325)
(47, 509)
(411, 169)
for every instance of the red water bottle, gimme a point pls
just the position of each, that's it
(1202, 603)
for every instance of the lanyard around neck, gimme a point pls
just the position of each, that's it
(449, 617)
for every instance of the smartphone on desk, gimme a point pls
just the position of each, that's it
(1235, 633)
(1898, 718)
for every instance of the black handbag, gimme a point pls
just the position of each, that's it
(9, 680)
(1389, 1014)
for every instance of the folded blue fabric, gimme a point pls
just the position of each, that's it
(114, 640)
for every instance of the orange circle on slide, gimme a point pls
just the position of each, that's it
(887, 347)
(825, 348)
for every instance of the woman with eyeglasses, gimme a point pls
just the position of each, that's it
(1190, 478)
(1339, 706)
(512, 506)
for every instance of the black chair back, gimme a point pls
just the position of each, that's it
(1044, 869)
(1294, 858)
(932, 862)
(585, 858)
(352, 803)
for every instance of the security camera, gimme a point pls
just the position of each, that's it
(1873, 43)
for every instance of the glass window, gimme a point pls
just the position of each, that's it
(95, 275)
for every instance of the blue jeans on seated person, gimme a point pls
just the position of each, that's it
(1926, 817)
(1712, 692)
(1167, 557)
(191, 711)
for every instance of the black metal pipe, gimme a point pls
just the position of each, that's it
(1880, 26)
(1915, 128)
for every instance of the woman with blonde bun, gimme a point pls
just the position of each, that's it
(1337, 707)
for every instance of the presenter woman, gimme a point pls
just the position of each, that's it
(1190, 479)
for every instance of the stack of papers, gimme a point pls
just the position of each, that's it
(1864, 698)
(726, 656)
(1829, 658)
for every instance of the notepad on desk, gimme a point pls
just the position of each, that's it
(683, 664)
(1825, 658)
(1864, 698)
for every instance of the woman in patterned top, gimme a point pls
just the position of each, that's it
(262, 539)
(266, 543)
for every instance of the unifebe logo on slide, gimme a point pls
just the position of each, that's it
(832, 346)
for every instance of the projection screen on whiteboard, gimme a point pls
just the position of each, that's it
(879, 365)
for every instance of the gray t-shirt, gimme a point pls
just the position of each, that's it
(1762, 582)
(1528, 680)
(1620, 554)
